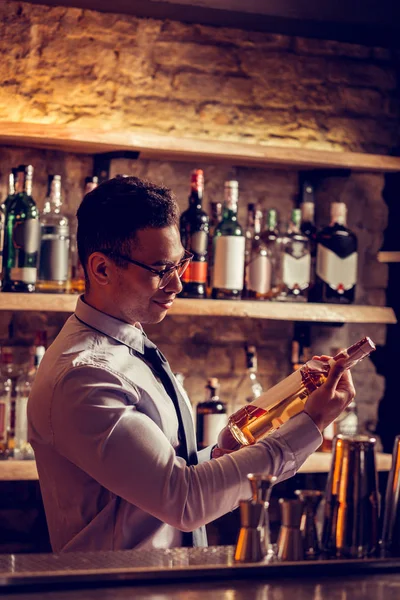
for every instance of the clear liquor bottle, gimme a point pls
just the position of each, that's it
(215, 219)
(194, 229)
(5, 410)
(229, 246)
(249, 388)
(336, 269)
(55, 240)
(273, 408)
(22, 236)
(296, 262)
(211, 416)
(22, 448)
(259, 265)
(77, 274)
(346, 424)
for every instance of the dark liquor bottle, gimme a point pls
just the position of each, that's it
(336, 269)
(259, 264)
(77, 274)
(296, 261)
(211, 416)
(194, 228)
(3, 212)
(249, 234)
(215, 219)
(22, 236)
(55, 239)
(229, 247)
(301, 345)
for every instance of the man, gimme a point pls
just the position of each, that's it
(110, 428)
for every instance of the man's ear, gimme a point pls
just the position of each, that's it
(100, 269)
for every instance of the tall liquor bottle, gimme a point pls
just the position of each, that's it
(55, 239)
(258, 270)
(336, 269)
(229, 248)
(21, 236)
(301, 345)
(308, 215)
(249, 388)
(194, 228)
(77, 274)
(3, 211)
(296, 262)
(5, 411)
(249, 233)
(273, 408)
(211, 416)
(215, 219)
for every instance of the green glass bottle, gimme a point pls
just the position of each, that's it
(3, 211)
(21, 236)
(229, 249)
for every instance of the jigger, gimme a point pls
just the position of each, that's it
(290, 541)
(311, 500)
(350, 528)
(391, 519)
(249, 547)
(261, 488)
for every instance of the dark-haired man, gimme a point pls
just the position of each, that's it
(109, 424)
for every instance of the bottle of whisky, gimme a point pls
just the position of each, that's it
(249, 388)
(296, 261)
(21, 236)
(273, 408)
(77, 274)
(210, 416)
(259, 265)
(215, 219)
(194, 228)
(55, 239)
(229, 248)
(336, 269)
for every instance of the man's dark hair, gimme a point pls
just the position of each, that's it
(110, 215)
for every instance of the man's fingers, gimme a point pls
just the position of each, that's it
(335, 372)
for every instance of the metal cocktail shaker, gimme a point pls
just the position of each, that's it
(391, 519)
(350, 528)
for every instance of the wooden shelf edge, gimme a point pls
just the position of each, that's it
(281, 311)
(153, 145)
(319, 462)
(389, 257)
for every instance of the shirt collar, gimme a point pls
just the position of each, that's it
(129, 335)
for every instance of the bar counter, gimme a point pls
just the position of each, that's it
(192, 574)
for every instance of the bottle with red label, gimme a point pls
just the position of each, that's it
(336, 269)
(194, 229)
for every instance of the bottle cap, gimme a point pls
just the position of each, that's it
(357, 352)
(197, 180)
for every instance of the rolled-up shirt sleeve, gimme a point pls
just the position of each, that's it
(99, 428)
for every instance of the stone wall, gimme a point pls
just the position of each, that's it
(78, 67)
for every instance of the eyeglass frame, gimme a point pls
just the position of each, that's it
(188, 258)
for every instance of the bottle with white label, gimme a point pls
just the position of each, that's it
(21, 236)
(258, 272)
(229, 249)
(296, 262)
(336, 270)
(211, 416)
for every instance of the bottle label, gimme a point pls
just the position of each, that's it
(258, 275)
(338, 273)
(196, 272)
(26, 236)
(228, 270)
(54, 255)
(3, 421)
(212, 425)
(296, 271)
(24, 274)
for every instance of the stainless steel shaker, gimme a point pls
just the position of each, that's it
(350, 527)
(391, 519)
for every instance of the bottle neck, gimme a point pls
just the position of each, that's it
(11, 184)
(196, 188)
(272, 220)
(338, 213)
(231, 198)
(54, 200)
(308, 212)
(23, 182)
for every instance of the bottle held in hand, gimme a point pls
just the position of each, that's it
(273, 408)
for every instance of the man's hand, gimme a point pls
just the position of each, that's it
(328, 401)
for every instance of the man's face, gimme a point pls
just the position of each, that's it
(135, 289)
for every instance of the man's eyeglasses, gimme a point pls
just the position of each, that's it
(165, 275)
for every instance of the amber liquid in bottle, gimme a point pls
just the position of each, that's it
(286, 399)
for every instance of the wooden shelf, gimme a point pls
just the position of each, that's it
(389, 257)
(281, 311)
(159, 146)
(319, 462)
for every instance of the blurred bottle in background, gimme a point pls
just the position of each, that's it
(248, 388)
(211, 416)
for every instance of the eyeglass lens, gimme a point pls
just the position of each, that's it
(180, 269)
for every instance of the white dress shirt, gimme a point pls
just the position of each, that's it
(105, 435)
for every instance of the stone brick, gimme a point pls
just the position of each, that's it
(358, 134)
(360, 101)
(269, 66)
(198, 87)
(310, 70)
(331, 48)
(209, 58)
(363, 74)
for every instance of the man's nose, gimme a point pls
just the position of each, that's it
(175, 284)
